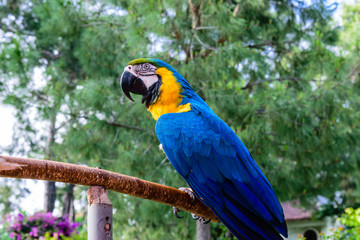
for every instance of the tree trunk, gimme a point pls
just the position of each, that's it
(229, 234)
(202, 231)
(69, 202)
(50, 196)
(50, 187)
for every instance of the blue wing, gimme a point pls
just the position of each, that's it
(222, 173)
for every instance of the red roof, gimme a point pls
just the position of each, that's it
(293, 211)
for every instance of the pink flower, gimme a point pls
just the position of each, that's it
(39, 223)
(34, 232)
(16, 226)
(8, 218)
(55, 234)
(20, 217)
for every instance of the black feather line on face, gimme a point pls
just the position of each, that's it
(152, 93)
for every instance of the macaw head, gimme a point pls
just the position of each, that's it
(162, 88)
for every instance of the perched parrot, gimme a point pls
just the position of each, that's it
(206, 152)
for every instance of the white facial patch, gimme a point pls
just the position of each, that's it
(144, 71)
(149, 80)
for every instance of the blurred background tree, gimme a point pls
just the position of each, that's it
(283, 74)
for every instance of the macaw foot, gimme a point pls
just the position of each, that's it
(189, 192)
(200, 219)
(176, 211)
(192, 195)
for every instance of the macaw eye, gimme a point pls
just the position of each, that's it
(146, 66)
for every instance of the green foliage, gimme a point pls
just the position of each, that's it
(334, 210)
(349, 230)
(74, 237)
(3, 234)
(220, 232)
(280, 73)
(351, 221)
(9, 191)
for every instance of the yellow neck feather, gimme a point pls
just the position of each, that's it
(169, 98)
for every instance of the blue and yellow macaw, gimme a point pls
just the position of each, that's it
(206, 152)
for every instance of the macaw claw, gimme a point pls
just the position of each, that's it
(193, 197)
(189, 192)
(200, 219)
(176, 211)
(204, 221)
(195, 217)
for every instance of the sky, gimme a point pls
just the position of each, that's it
(6, 124)
(34, 202)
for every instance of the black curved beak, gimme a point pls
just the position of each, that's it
(130, 83)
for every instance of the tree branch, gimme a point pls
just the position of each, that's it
(195, 14)
(15, 167)
(266, 43)
(196, 21)
(94, 24)
(236, 10)
(8, 28)
(115, 124)
(354, 71)
(204, 44)
(205, 28)
(39, 96)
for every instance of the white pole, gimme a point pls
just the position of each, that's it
(99, 218)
